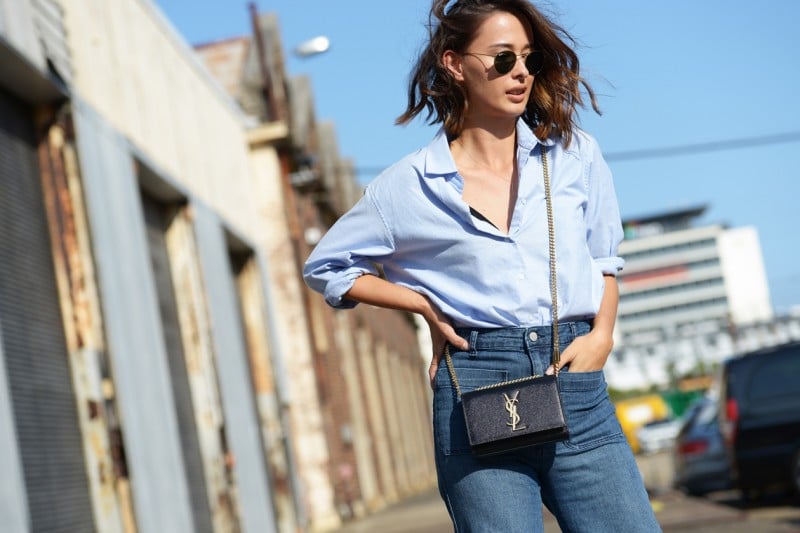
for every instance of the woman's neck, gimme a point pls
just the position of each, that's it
(490, 148)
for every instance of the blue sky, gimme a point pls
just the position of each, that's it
(676, 73)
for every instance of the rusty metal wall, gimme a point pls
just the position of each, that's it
(135, 340)
(377, 419)
(365, 469)
(263, 370)
(37, 365)
(157, 217)
(200, 369)
(80, 310)
(34, 64)
(289, 322)
(238, 402)
(279, 360)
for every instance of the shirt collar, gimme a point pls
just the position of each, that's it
(439, 160)
(527, 140)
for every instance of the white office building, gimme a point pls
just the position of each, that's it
(688, 296)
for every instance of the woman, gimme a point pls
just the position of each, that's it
(461, 233)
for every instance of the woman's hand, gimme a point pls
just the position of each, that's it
(589, 352)
(377, 291)
(586, 353)
(442, 332)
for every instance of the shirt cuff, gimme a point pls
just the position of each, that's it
(610, 265)
(338, 287)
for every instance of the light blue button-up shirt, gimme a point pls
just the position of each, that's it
(413, 221)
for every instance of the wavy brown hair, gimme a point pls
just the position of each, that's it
(551, 109)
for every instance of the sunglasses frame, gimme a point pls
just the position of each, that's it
(535, 55)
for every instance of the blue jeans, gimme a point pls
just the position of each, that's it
(590, 482)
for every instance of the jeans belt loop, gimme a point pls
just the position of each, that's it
(473, 344)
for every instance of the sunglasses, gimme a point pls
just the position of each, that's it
(504, 61)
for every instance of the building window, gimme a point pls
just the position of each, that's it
(664, 250)
(673, 308)
(671, 289)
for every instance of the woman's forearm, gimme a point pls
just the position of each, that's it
(373, 290)
(607, 314)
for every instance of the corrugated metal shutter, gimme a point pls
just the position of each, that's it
(33, 338)
(49, 21)
(192, 458)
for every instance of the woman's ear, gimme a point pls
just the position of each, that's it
(452, 62)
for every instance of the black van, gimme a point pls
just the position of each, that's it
(760, 418)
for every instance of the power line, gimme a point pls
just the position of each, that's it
(672, 151)
(702, 148)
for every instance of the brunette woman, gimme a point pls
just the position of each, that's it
(461, 233)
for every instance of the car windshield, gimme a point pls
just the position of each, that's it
(702, 412)
(706, 413)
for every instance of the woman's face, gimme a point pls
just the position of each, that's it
(492, 95)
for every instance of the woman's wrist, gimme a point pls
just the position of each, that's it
(603, 336)
(423, 306)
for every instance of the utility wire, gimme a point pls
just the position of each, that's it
(673, 151)
(702, 148)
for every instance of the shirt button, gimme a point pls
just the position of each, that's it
(533, 336)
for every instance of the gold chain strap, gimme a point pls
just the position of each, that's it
(551, 237)
(449, 361)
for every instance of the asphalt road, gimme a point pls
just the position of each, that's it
(722, 512)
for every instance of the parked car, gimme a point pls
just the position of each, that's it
(633, 413)
(700, 459)
(658, 435)
(760, 418)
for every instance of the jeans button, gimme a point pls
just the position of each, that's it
(533, 336)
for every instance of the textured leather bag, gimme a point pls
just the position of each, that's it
(522, 412)
(514, 414)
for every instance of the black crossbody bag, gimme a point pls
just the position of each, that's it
(522, 412)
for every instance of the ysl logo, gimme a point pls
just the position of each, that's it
(511, 407)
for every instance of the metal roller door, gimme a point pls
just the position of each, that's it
(33, 338)
(154, 214)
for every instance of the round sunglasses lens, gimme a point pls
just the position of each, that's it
(534, 62)
(504, 62)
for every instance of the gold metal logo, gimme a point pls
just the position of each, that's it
(511, 407)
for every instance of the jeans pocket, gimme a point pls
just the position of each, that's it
(591, 417)
(449, 428)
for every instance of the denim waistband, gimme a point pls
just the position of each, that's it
(518, 338)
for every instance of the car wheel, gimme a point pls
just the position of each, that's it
(696, 491)
(751, 496)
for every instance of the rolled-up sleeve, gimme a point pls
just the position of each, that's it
(603, 222)
(351, 248)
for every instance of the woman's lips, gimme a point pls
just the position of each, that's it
(517, 95)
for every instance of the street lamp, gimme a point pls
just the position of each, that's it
(312, 47)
